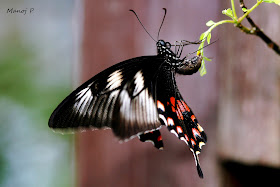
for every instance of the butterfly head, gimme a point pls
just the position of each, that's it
(164, 48)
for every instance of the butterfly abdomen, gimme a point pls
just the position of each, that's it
(190, 66)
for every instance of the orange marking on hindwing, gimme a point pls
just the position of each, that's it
(183, 106)
(159, 138)
(199, 128)
(193, 142)
(172, 100)
(179, 114)
(170, 121)
(179, 129)
(193, 118)
(187, 138)
(160, 105)
(195, 132)
(186, 106)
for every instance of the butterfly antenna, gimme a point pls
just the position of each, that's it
(161, 22)
(142, 24)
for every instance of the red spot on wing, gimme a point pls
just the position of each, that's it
(193, 142)
(187, 138)
(172, 100)
(159, 138)
(193, 118)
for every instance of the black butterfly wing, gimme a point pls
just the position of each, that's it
(176, 115)
(121, 97)
(154, 137)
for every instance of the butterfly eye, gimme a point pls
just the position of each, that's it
(161, 43)
(168, 45)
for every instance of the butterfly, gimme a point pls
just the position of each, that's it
(135, 98)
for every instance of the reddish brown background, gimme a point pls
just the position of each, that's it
(237, 102)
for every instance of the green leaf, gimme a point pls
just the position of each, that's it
(228, 12)
(244, 9)
(209, 38)
(210, 23)
(202, 69)
(202, 36)
(207, 59)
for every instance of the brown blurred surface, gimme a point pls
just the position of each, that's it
(249, 103)
(247, 118)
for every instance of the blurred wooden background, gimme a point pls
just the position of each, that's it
(237, 102)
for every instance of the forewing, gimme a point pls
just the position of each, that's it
(177, 116)
(121, 97)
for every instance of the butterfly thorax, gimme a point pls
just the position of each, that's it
(164, 49)
(182, 66)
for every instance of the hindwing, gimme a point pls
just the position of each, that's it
(176, 115)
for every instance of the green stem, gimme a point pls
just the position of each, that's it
(200, 51)
(248, 12)
(219, 23)
(215, 25)
(233, 9)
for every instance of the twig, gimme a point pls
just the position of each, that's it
(255, 30)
